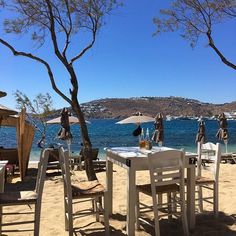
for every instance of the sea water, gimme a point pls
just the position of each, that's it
(106, 133)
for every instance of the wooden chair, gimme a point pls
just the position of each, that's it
(167, 177)
(80, 192)
(209, 157)
(26, 198)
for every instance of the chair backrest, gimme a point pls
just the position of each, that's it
(211, 154)
(166, 167)
(42, 167)
(94, 154)
(53, 155)
(65, 169)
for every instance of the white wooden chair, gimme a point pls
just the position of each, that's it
(167, 177)
(209, 157)
(80, 192)
(26, 198)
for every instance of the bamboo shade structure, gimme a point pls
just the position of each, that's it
(25, 136)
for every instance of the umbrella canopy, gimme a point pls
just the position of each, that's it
(201, 134)
(2, 94)
(136, 118)
(158, 135)
(222, 133)
(5, 111)
(72, 120)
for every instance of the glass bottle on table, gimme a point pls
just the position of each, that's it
(148, 142)
(142, 142)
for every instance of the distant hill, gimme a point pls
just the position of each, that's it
(174, 106)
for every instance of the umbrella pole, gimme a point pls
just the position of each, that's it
(226, 148)
(69, 149)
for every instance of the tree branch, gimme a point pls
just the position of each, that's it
(53, 35)
(69, 31)
(90, 45)
(218, 52)
(38, 59)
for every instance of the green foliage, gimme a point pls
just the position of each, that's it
(39, 108)
(41, 105)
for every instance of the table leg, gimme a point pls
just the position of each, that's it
(131, 201)
(191, 196)
(2, 179)
(109, 180)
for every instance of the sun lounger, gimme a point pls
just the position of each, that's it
(228, 157)
(78, 160)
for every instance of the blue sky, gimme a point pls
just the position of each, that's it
(127, 61)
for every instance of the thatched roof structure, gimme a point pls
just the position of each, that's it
(5, 111)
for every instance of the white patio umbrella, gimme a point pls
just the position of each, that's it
(136, 119)
(72, 120)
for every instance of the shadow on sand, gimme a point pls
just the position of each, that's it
(206, 223)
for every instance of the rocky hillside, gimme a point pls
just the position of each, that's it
(174, 106)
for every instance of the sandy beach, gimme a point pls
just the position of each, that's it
(52, 217)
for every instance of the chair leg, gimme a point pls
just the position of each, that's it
(170, 206)
(215, 200)
(156, 217)
(70, 219)
(0, 220)
(106, 215)
(137, 210)
(66, 215)
(37, 213)
(200, 202)
(96, 202)
(183, 213)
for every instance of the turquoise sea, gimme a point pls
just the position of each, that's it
(105, 133)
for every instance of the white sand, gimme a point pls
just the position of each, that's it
(52, 217)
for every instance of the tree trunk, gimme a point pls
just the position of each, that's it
(87, 148)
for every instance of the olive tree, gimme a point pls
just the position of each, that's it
(37, 110)
(63, 23)
(194, 18)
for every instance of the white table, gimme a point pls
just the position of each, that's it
(2, 175)
(133, 159)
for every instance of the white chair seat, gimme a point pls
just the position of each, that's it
(147, 189)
